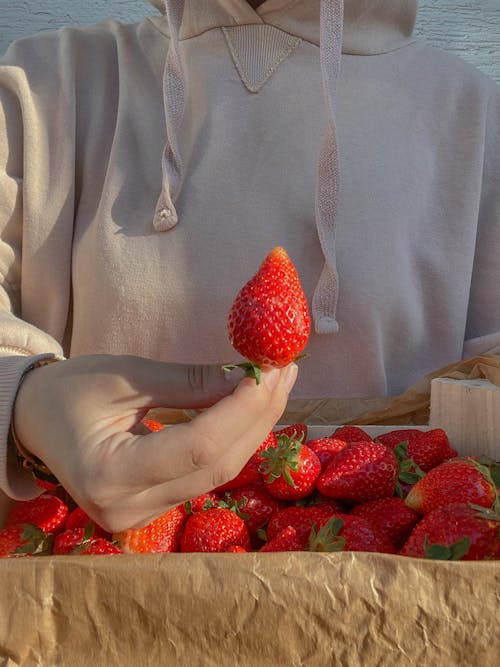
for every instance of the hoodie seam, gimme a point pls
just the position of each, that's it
(292, 34)
(229, 25)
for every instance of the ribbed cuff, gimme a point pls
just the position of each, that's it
(16, 482)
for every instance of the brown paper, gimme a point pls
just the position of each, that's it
(410, 408)
(248, 610)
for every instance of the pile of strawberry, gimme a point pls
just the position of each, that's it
(405, 492)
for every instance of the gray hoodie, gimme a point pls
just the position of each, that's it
(146, 170)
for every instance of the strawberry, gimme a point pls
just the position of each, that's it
(361, 472)
(326, 448)
(345, 532)
(24, 540)
(153, 425)
(250, 474)
(214, 530)
(200, 503)
(72, 540)
(393, 438)
(78, 518)
(290, 470)
(101, 547)
(456, 531)
(236, 549)
(83, 542)
(301, 519)
(297, 431)
(159, 536)
(285, 540)
(427, 449)
(47, 511)
(351, 434)
(269, 321)
(391, 516)
(457, 480)
(254, 504)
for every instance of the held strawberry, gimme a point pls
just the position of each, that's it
(159, 536)
(269, 321)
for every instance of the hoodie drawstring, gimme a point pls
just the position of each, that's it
(325, 297)
(174, 99)
(324, 302)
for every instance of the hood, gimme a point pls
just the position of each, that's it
(361, 27)
(369, 26)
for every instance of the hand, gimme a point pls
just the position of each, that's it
(78, 417)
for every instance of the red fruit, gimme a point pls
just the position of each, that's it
(363, 471)
(153, 425)
(428, 449)
(159, 536)
(70, 540)
(458, 480)
(391, 516)
(101, 547)
(301, 519)
(394, 437)
(214, 530)
(351, 434)
(78, 518)
(297, 431)
(254, 504)
(455, 531)
(285, 540)
(236, 549)
(200, 503)
(345, 532)
(24, 540)
(290, 470)
(250, 474)
(269, 320)
(326, 448)
(47, 511)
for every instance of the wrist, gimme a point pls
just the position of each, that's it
(27, 459)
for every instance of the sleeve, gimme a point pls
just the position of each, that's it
(483, 319)
(27, 258)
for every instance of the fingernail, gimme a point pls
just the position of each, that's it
(289, 376)
(270, 378)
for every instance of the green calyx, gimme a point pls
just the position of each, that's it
(327, 538)
(282, 460)
(35, 541)
(409, 471)
(250, 369)
(455, 551)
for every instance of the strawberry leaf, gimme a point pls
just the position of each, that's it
(455, 551)
(250, 369)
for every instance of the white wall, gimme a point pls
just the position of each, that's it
(468, 28)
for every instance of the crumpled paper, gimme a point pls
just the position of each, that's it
(249, 610)
(410, 408)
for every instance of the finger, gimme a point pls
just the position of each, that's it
(159, 384)
(217, 442)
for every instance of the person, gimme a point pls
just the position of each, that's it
(145, 172)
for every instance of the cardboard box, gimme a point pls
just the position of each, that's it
(249, 610)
